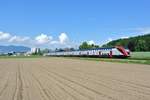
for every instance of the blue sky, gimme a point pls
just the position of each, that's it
(54, 23)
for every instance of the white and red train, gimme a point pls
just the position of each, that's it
(117, 51)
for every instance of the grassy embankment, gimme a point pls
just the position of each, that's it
(32, 56)
(136, 57)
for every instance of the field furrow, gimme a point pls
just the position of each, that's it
(66, 79)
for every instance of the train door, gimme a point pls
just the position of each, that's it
(99, 53)
(88, 53)
(110, 54)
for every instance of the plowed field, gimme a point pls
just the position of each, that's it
(68, 79)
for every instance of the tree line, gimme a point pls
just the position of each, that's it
(138, 43)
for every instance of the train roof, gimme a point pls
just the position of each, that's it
(88, 49)
(96, 49)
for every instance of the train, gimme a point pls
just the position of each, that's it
(111, 52)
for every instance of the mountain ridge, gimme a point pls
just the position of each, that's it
(13, 48)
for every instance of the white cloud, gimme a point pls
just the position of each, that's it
(40, 40)
(54, 42)
(4, 36)
(63, 38)
(43, 39)
(18, 39)
(91, 42)
(7, 37)
(110, 39)
(144, 30)
(124, 37)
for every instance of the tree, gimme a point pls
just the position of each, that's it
(141, 46)
(85, 45)
(45, 50)
(131, 45)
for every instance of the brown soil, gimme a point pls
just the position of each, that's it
(67, 79)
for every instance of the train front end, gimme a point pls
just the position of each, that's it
(122, 52)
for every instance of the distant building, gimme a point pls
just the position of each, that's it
(35, 50)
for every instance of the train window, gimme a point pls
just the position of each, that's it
(87, 53)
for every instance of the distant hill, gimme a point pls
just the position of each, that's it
(138, 43)
(12, 48)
